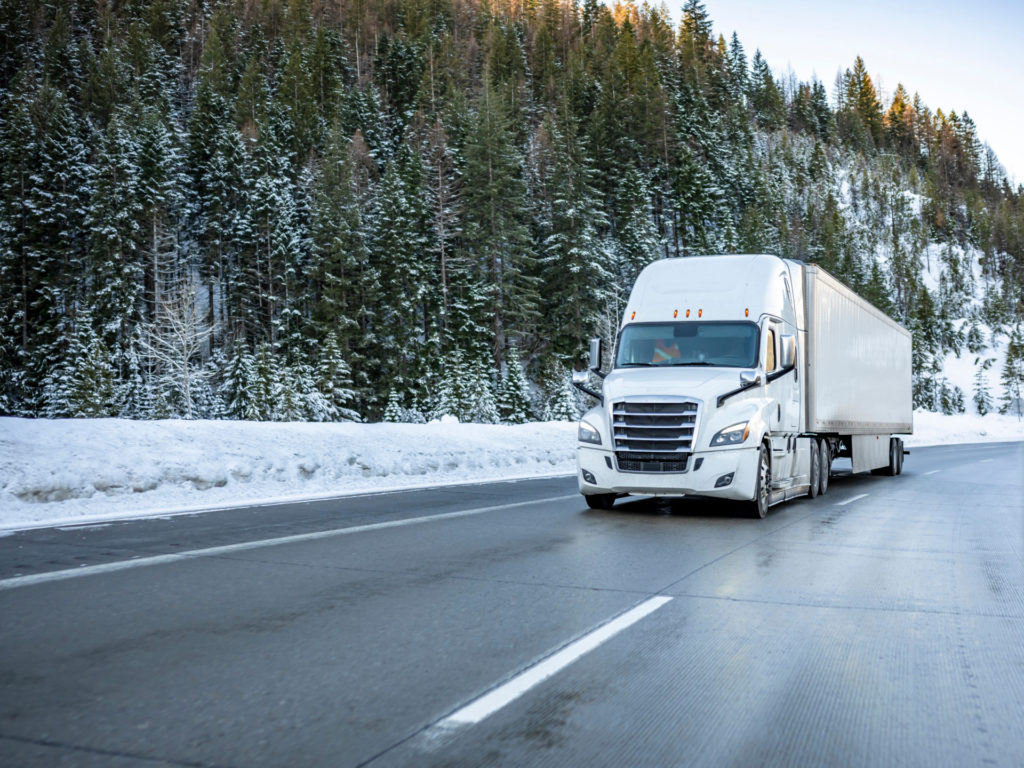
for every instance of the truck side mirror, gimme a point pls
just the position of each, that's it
(580, 377)
(595, 354)
(788, 347)
(750, 378)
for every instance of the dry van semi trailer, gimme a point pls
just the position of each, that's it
(742, 377)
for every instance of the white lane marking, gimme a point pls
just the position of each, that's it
(933, 472)
(490, 703)
(138, 562)
(985, 461)
(850, 501)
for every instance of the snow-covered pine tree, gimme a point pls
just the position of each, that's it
(134, 394)
(559, 398)
(289, 404)
(636, 238)
(514, 397)
(44, 189)
(496, 235)
(448, 394)
(575, 260)
(267, 375)
(1012, 376)
(394, 411)
(334, 381)
(238, 388)
(343, 283)
(478, 403)
(114, 222)
(982, 397)
(83, 385)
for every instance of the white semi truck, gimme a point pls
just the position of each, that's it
(742, 377)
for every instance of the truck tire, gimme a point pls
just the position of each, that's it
(825, 468)
(758, 508)
(899, 456)
(814, 481)
(600, 500)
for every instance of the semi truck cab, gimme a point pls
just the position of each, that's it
(708, 391)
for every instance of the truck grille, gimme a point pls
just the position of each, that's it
(653, 436)
(650, 462)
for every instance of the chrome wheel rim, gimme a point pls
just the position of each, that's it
(824, 468)
(815, 478)
(762, 495)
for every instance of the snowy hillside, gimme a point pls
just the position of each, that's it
(76, 470)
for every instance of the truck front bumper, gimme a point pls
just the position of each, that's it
(704, 470)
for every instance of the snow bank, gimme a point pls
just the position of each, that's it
(939, 429)
(73, 470)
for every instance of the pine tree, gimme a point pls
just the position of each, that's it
(238, 386)
(575, 258)
(478, 404)
(514, 397)
(333, 381)
(559, 400)
(83, 384)
(287, 396)
(1012, 376)
(636, 237)
(496, 235)
(394, 411)
(982, 397)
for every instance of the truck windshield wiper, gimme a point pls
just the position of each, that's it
(676, 365)
(640, 365)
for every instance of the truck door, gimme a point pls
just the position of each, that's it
(784, 410)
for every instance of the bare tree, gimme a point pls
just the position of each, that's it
(175, 341)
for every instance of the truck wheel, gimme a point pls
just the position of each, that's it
(893, 469)
(762, 487)
(899, 456)
(600, 500)
(814, 480)
(825, 466)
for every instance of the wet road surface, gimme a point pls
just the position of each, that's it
(506, 624)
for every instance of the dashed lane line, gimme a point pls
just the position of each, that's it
(486, 705)
(851, 500)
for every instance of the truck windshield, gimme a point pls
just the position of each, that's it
(702, 343)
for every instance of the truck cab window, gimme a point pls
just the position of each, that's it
(769, 357)
(725, 344)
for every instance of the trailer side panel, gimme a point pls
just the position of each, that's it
(858, 363)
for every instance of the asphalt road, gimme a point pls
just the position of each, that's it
(506, 624)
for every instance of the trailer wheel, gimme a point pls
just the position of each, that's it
(826, 466)
(815, 479)
(899, 456)
(600, 500)
(758, 508)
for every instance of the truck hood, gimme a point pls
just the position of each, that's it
(703, 383)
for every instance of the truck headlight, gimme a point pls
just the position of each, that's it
(733, 435)
(587, 434)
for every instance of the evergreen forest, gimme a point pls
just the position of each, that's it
(401, 209)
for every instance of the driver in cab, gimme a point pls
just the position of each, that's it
(665, 350)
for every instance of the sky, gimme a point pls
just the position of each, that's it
(959, 56)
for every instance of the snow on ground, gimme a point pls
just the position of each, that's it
(78, 470)
(62, 471)
(940, 429)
